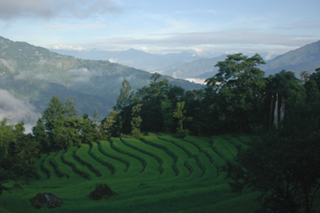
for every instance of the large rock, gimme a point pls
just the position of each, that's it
(46, 199)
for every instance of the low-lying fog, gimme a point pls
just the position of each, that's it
(17, 110)
(196, 80)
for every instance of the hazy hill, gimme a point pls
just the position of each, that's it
(306, 58)
(187, 64)
(194, 68)
(32, 75)
(134, 58)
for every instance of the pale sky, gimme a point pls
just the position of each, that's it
(274, 26)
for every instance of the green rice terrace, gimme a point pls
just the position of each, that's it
(159, 173)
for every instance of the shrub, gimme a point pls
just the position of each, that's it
(102, 191)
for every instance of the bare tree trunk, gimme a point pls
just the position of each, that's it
(276, 113)
(271, 109)
(283, 107)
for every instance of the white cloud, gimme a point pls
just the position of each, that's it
(196, 80)
(16, 110)
(129, 78)
(66, 47)
(83, 26)
(196, 11)
(198, 50)
(23, 75)
(7, 64)
(113, 60)
(46, 9)
(83, 74)
(240, 40)
(144, 49)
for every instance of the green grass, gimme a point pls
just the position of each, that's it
(205, 147)
(37, 165)
(153, 164)
(77, 167)
(237, 143)
(195, 152)
(222, 147)
(47, 165)
(159, 173)
(178, 155)
(65, 168)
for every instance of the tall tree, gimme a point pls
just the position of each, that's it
(239, 83)
(136, 121)
(123, 98)
(110, 125)
(58, 128)
(155, 103)
(179, 113)
(55, 111)
(69, 109)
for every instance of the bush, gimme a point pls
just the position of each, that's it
(102, 191)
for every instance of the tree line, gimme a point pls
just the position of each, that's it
(238, 99)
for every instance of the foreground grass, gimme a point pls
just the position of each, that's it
(159, 173)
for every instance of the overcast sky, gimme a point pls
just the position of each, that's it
(274, 26)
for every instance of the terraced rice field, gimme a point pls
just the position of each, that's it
(159, 173)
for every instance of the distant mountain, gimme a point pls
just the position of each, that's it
(306, 58)
(34, 74)
(134, 58)
(195, 68)
(214, 71)
(187, 64)
(207, 74)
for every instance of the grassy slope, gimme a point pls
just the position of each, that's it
(158, 173)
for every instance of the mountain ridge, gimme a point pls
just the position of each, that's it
(34, 74)
(133, 58)
(305, 58)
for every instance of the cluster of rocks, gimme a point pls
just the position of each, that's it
(51, 201)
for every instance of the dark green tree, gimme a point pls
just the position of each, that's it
(124, 97)
(285, 170)
(110, 125)
(156, 104)
(287, 91)
(59, 128)
(195, 108)
(238, 86)
(136, 121)
(167, 112)
(179, 113)
(69, 109)
(17, 151)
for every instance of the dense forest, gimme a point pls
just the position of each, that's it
(280, 110)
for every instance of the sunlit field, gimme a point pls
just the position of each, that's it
(159, 173)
